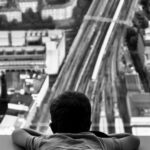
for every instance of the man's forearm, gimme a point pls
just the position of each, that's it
(33, 132)
(119, 135)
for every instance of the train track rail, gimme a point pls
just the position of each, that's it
(77, 71)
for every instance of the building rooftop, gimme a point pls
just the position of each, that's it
(27, 1)
(133, 82)
(147, 48)
(59, 5)
(139, 104)
(12, 9)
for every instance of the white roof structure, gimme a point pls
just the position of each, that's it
(18, 49)
(22, 1)
(29, 49)
(40, 48)
(139, 111)
(133, 82)
(26, 4)
(4, 34)
(4, 41)
(139, 108)
(17, 34)
(7, 125)
(51, 46)
(3, 2)
(9, 49)
(147, 30)
(18, 38)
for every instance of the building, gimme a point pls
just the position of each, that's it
(55, 51)
(42, 50)
(56, 11)
(146, 37)
(141, 47)
(60, 11)
(4, 39)
(34, 37)
(147, 57)
(7, 125)
(139, 111)
(24, 5)
(17, 38)
(133, 82)
(145, 53)
(11, 14)
(147, 49)
(3, 3)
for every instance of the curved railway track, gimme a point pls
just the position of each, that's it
(76, 73)
(73, 66)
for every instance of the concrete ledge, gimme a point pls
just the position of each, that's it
(6, 143)
(145, 142)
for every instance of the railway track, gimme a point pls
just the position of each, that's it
(69, 79)
(108, 84)
(77, 71)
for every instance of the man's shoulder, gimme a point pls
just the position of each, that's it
(83, 140)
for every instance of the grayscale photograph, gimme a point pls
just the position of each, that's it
(74, 74)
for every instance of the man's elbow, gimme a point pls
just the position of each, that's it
(15, 135)
(130, 142)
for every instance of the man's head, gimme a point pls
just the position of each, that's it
(70, 113)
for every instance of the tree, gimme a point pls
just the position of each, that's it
(146, 6)
(144, 2)
(14, 23)
(3, 86)
(48, 20)
(4, 98)
(131, 38)
(77, 13)
(140, 20)
(3, 21)
(142, 72)
(82, 3)
(30, 17)
(80, 10)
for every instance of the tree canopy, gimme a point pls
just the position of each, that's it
(131, 38)
(146, 7)
(30, 20)
(140, 20)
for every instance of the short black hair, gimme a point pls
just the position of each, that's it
(70, 113)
